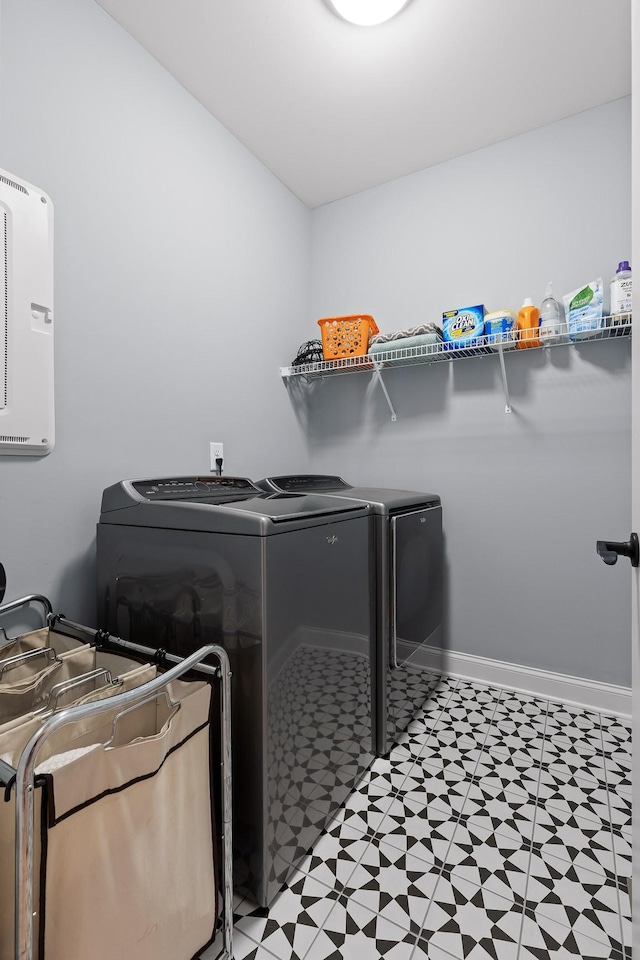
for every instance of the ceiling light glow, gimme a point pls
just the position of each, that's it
(367, 13)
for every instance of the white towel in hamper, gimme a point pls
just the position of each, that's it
(59, 760)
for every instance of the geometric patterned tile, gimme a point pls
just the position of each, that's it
(334, 858)
(574, 718)
(619, 803)
(571, 768)
(415, 738)
(462, 718)
(507, 725)
(246, 949)
(580, 900)
(584, 843)
(478, 692)
(557, 786)
(289, 926)
(466, 797)
(529, 715)
(524, 783)
(513, 755)
(364, 814)
(588, 804)
(463, 760)
(560, 942)
(468, 921)
(379, 782)
(442, 783)
(396, 885)
(489, 860)
(507, 814)
(416, 820)
(425, 949)
(617, 775)
(623, 850)
(574, 745)
(503, 738)
(396, 766)
(627, 931)
(524, 710)
(555, 815)
(352, 932)
(500, 821)
(425, 832)
(616, 729)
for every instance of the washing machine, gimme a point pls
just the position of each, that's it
(284, 583)
(407, 598)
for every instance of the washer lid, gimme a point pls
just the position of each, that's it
(219, 504)
(383, 500)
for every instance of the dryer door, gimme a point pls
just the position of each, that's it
(416, 587)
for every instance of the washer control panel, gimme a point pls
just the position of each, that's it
(194, 488)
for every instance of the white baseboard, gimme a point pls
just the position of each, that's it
(600, 697)
(559, 687)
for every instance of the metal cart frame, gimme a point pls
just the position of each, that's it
(24, 774)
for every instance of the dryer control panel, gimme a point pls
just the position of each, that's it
(305, 483)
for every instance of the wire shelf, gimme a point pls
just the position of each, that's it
(492, 345)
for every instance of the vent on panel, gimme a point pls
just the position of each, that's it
(26, 319)
(12, 183)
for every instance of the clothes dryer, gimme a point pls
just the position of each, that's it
(407, 599)
(283, 582)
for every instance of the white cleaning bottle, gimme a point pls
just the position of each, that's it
(621, 295)
(551, 325)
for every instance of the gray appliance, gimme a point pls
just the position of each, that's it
(408, 602)
(283, 583)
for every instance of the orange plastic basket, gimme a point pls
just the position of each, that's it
(346, 336)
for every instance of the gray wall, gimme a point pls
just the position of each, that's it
(183, 282)
(181, 275)
(525, 495)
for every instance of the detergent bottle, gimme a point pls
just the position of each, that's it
(528, 323)
(621, 297)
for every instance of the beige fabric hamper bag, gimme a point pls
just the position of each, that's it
(13, 737)
(127, 856)
(43, 637)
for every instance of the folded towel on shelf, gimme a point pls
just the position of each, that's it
(400, 347)
(421, 330)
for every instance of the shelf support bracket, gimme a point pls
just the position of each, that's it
(377, 376)
(505, 385)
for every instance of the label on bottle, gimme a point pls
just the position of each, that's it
(621, 295)
(550, 330)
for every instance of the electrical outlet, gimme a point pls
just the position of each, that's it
(215, 453)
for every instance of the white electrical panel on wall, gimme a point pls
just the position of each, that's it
(26, 319)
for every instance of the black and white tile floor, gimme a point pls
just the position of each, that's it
(499, 827)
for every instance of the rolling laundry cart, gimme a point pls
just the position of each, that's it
(108, 800)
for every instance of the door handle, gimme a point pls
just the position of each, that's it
(611, 550)
(3, 582)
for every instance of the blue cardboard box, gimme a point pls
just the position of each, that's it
(463, 328)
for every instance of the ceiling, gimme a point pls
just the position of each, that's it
(332, 109)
